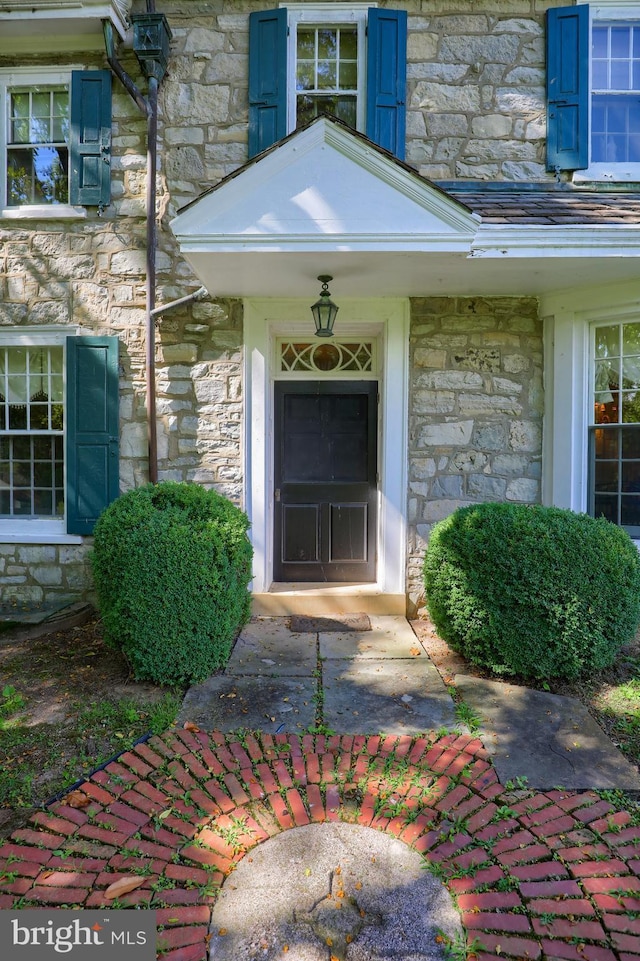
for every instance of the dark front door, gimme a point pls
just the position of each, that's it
(325, 480)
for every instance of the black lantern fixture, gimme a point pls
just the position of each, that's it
(151, 37)
(324, 310)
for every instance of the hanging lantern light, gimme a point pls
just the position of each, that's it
(324, 310)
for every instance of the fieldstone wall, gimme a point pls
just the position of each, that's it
(475, 90)
(474, 110)
(33, 574)
(475, 411)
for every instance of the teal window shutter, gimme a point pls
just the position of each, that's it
(90, 138)
(387, 78)
(91, 429)
(267, 78)
(568, 87)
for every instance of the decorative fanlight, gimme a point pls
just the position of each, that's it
(324, 310)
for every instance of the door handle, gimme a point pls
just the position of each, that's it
(276, 494)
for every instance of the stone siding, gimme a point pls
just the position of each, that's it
(475, 411)
(34, 574)
(475, 90)
(474, 110)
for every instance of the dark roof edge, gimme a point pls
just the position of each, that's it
(535, 187)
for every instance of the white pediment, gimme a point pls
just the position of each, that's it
(325, 188)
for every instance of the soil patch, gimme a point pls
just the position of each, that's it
(68, 703)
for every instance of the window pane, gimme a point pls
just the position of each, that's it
(599, 74)
(327, 44)
(327, 74)
(631, 372)
(606, 476)
(631, 477)
(630, 510)
(17, 416)
(631, 443)
(305, 76)
(631, 338)
(41, 118)
(620, 42)
(606, 506)
(608, 341)
(620, 75)
(306, 44)
(599, 41)
(348, 76)
(606, 444)
(60, 118)
(348, 44)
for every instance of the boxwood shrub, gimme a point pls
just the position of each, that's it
(171, 565)
(533, 591)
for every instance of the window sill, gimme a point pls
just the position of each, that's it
(43, 212)
(45, 538)
(608, 173)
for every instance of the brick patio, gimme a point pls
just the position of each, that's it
(552, 875)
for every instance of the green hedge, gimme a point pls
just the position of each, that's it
(171, 565)
(533, 591)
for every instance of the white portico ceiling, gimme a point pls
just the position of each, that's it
(328, 201)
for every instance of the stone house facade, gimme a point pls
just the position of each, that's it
(479, 230)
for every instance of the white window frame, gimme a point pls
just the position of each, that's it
(33, 76)
(385, 319)
(607, 171)
(327, 14)
(615, 323)
(569, 320)
(28, 530)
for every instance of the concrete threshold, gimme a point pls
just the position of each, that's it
(316, 599)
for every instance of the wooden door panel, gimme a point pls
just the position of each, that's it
(348, 532)
(300, 533)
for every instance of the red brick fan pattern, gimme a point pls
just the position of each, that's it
(546, 875)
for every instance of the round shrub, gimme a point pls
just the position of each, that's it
(535, 591)
(171, 565)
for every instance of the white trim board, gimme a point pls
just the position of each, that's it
(266, 319)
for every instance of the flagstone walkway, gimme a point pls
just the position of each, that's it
(549, 875)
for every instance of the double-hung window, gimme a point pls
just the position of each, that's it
(55, 135)
(31, 431)
(614, 461)
(58, 432)
(346, 61)
(593, 86)
(327, 67)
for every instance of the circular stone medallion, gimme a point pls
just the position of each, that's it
(332, 891)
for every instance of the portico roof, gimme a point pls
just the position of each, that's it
(326, 200)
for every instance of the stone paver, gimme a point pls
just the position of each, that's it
(388, 637)
(264, 648)
(396, 696)
(226, 702)
(553, 875)
(551, 740)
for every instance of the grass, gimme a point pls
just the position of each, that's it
(621, 705)
(71, 750)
